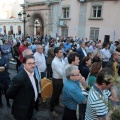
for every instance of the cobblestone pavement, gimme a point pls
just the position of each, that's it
(41, 114)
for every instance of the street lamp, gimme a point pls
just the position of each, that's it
(37, 24)
(24, 19)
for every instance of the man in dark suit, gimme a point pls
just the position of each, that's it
(114, 61)
(24, 91)
(82, 52)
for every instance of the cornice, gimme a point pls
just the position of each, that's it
(10, 21)
(40, 3)
(99, 0)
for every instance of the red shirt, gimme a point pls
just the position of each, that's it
(21, 49)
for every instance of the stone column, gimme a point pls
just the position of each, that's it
(82, 20)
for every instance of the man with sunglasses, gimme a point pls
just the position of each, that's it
(24, 91)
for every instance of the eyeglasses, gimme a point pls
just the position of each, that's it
(41, 48)
(30, 64)
(76, 75)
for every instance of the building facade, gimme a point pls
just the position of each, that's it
(103, 20)
(95, 19)
(9, 22)
(11, 26)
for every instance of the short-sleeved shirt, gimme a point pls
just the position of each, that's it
(72, 94)
(91, 80)
(97, 103)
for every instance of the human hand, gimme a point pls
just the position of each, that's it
(82, 79)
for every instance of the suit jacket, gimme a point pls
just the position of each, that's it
(22, 93)
(80, 52)
(85, 72)
(50, 55)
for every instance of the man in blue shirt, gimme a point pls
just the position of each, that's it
(72, 94)
(67, 45)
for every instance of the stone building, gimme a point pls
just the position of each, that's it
(9, 22)
(95, 19)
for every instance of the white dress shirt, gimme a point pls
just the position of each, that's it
(66, 60)
(105, 54)
(85, 54)
(46, 50)
(40, 61)
(31, 76)
(58, 66)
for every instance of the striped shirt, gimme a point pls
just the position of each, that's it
(97, 103)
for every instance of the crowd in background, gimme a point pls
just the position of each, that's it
(75, 67)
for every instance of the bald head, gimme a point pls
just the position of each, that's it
(99, 45)
(39, 48)
(27, 52)
(115, 55)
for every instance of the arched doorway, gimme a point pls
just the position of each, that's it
(37, 27)
(40, 29)
(4, 29)
(19, 30)
(11, 29)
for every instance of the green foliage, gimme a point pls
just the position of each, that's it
(116, 81)
(116, 114)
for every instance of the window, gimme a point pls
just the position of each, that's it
(97, 11)
(4, 29)
(64, 32)
(66, 12)
(19, 30)
(94, 33)
(11, 29)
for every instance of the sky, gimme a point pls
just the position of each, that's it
(6, 10)
(11, 1)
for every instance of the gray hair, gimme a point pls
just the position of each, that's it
(70, 70)
(38, 46)
(25, 52)
(81, 42)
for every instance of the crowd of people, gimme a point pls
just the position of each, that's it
(77, 68)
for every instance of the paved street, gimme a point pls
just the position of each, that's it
(42, 114)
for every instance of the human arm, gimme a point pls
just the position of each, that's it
(2, 69)
(4, 64)
(83, 82)
(113, 92)
(14, 88)
(57, 68)
(5, 49)
(77, 95)
(114, 99)
(101, 118)
(112, 95)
